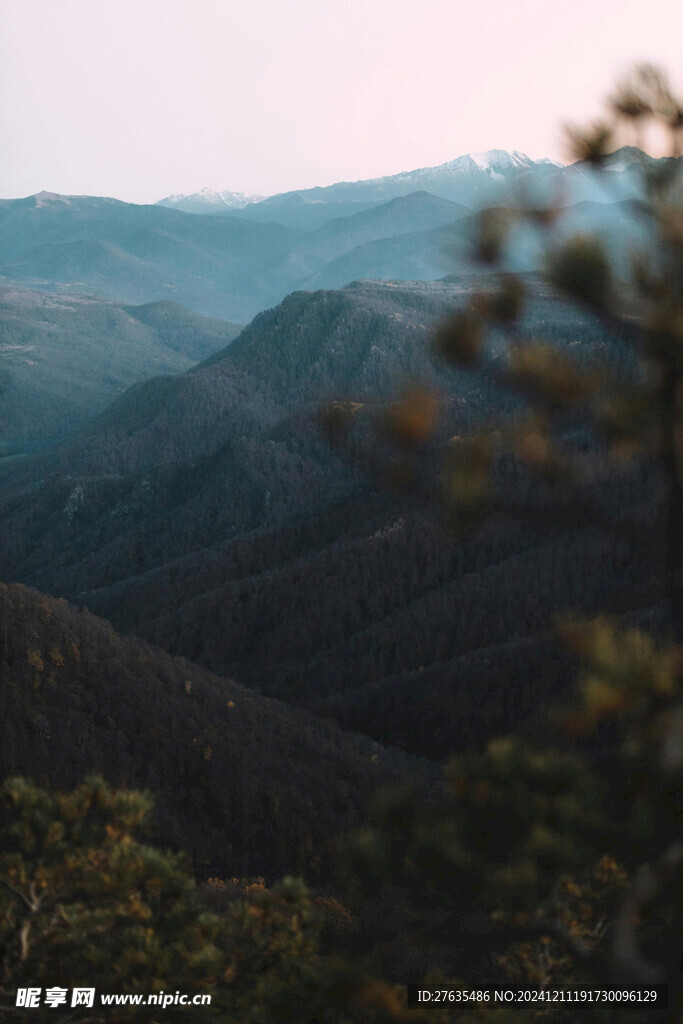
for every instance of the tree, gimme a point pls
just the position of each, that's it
(82, 898)
(556, 859)
(84, 901)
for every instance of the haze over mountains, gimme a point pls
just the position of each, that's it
(474, 179)
(139, 254)
(63, 359)
(236, 264)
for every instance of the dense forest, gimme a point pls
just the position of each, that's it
(208, 513)
(244, 784)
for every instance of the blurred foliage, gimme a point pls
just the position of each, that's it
(555, 860)
(582, 270)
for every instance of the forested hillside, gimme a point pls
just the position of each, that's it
(244, 784)
(207, 513)
(63, 359)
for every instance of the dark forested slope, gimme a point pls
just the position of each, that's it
(243, 783)
(206, 513)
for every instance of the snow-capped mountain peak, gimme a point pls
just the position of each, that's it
(209, 200)
(472, 179)
(491, 159)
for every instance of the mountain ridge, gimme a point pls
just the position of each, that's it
(492, 161)
(244, 261)
(64, 358)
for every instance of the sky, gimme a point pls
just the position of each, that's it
(139, 99)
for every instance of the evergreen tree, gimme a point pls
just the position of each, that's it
(556, 857)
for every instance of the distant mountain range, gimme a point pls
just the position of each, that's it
(414, 226)
(459, 180)
(474, 179)
(226, 266)
(139, 254)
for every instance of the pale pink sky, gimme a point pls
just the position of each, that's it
(141, 98)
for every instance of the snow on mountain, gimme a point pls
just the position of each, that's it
(489, 164)
(492, 160)
(45, 198)
(471, 169)
(209, 200)
(473, 179)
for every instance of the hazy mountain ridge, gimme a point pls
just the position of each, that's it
(63, 359)
(237, 264)
(295, 355)
(183, 462)
(139, 254)
(448, 181)
(474, 180)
